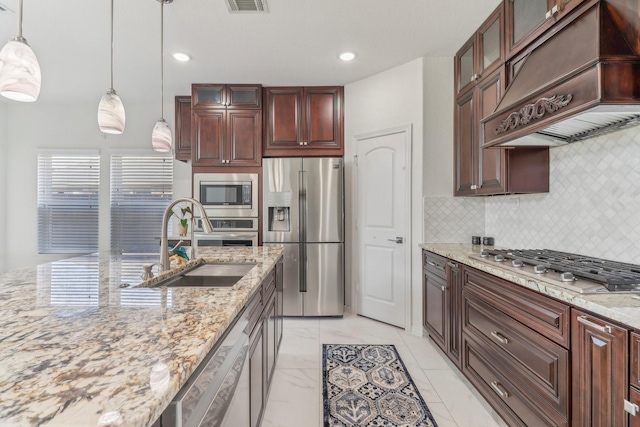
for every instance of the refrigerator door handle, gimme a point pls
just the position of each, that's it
(303, 268)
(302, 205)
(302, 219)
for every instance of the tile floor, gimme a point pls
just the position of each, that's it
(296, 393)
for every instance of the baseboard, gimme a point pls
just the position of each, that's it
(418, 330)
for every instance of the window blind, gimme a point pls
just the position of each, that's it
(141, 189)
(68, 188)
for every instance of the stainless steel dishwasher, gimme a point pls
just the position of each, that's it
(217, 394)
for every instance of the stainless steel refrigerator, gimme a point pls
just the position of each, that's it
(303, 209)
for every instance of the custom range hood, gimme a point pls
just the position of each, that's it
(580, 80)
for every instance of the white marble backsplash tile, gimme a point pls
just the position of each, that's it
(592, 208)
(453, 219)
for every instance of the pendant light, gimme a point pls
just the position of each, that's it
(19, 69)
(161, 136)
(111, 117)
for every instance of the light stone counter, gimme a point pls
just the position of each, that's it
(75, 346)
(621, 307)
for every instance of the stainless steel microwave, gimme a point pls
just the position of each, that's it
(227, 194)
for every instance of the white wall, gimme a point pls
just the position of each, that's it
(387, 100)
(438, 125)
(37, 126)
(3, 183)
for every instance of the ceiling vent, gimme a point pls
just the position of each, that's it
(242, 6)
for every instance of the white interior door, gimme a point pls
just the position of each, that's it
(382, 224)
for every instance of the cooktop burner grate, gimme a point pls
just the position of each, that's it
(615, 276)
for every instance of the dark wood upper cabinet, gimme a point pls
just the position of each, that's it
(491, 163)
(226, 96)
(244, 133)
(482, 53)
(226, 138)
(183, 128)
(303, 121)
(480, 84)
(492, 171)
(226, 125)
(465, 152)
(527, 19)
(208, 132)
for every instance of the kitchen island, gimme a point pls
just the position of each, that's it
(76, 345)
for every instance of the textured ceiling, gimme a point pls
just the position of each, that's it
(296, 43)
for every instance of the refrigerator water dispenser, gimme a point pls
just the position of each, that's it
(279, 209)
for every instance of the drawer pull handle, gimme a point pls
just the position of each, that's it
(433, 264)
(584, 321)
(452, 264)
(499, 389)
(444, 288)
(631, 408)
(500, 337)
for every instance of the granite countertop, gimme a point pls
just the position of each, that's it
(74, 346)
(621, 307)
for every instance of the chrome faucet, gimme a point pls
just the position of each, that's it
(164, 241)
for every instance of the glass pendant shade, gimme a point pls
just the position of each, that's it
(111, 116)
(161, 137)
(20, 77)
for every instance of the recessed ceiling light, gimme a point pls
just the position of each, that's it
(182, 57)
(347, 56)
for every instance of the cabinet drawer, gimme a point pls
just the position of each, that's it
(535, 362)
(434, 264)
(634, 378)
(544, 315)
(634, 397)
(486, 373)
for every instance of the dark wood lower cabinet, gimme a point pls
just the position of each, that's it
(510, 400)
(264, 343)
(600, 371)
(436, 313)
(454, 287)
(279, 302)
(634, 399)
(442, 302)
(256, 375)
(271, 338)
(537, 361)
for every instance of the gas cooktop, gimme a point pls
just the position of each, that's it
(575, 272)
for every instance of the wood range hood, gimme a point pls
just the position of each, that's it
(579, 80)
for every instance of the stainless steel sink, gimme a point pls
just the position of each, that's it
(221, 269)
(209, 275)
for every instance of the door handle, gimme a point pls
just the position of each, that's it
(397, 240)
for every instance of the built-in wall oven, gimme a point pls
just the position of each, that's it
(227, 195)
(227, 232)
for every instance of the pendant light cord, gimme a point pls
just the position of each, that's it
(111, 45)
(162, 58)
(19, 37)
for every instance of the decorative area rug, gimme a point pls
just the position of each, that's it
(368, 385)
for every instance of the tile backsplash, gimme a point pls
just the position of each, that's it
(453, 219)
(592, 208)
